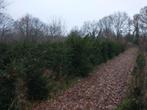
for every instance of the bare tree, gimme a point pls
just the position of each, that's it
(105, 27)
(90, 29)
(2, 6)
(30, 28)
(130, 26)
(56, 28)
(6, 27)
(143, 21)
(117, 24)
(136, 26)
(120, 23)
(39, 29)
(6, 23)
(23, 26)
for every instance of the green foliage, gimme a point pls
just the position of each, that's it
(140, 61)
(134, 100)
(78, 53)
(7, 91)
(109, 49)
(129, 104)
(37, 86)
(75, 57)
(4, 56)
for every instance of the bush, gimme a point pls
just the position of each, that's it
(140, 61)
(7, 91)
(4, 56)
(134, 100)
(37, 86)
(78, 54)
(75, 57)
(129, 104)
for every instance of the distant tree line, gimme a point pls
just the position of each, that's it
(30, 28)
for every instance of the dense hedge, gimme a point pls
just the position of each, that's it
(74, 57)
(140, 61)
(7, 92)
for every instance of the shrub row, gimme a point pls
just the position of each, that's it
(140, 61)
(134, 100)
(31, 62)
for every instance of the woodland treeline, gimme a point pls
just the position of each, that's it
(29, 28)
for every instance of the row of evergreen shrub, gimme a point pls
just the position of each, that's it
(75, 57)
(134, 100)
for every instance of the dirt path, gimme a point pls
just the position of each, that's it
(103, 90)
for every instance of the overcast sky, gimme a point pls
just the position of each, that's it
(72, 12)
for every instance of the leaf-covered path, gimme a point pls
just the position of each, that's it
(103, 90)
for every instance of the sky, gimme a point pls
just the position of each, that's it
(72, 12)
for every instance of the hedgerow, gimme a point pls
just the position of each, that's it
(75, 57)
(134, 100)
